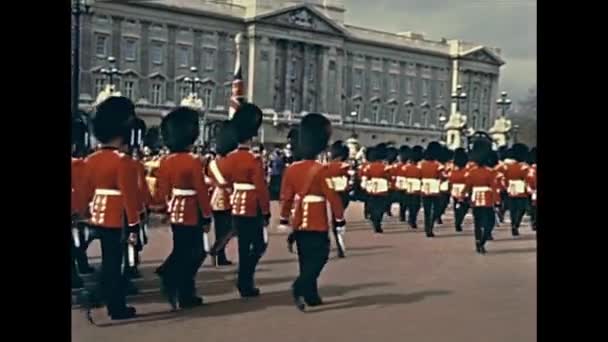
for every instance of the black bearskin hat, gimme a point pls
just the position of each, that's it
(417, 153)
(293, 140)
(492, 158)
(519, 152)
(379, 152)
(226, 140)
(179, 129)
(368, 153)
(480, 152)
(460, 157)
(79, 129)
(405, 153)
(532, 156)
(314, 134)
(338, 150)
(433, 151)
(246, 121)
(113, 118)
(391, 154)
(503, 152)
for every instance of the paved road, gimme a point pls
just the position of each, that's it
(399, 286)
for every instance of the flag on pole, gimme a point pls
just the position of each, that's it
(238, 88)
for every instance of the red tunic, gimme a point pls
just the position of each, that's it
(479, 182)
(431, 173)
(305, 190)
(531, 180)
(515, 175)
(393, 170)
(445, 183)
(220, 193)
(181, 188)
(377, 177)
(143, 196)
(457, 183)
(110, 182)
(244, 173)
(337, 175)
(77, 174)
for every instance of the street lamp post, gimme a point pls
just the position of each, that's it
(353, 116)
(194, 82)
(458, 96)
(111, 71)
(515, 130)
(504, 103)
(442, 122)
(79, 7)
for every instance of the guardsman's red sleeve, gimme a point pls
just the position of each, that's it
(202, 191)
(332, 197)
(161, 192)
(85, 195)
(127, 184)
(287, 195)
(261, 187)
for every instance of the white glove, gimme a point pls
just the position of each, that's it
(341, 230)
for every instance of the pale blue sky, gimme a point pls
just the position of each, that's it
(507, 24)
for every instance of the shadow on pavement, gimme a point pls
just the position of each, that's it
(520, 238)
(513, 251)
(381, 299)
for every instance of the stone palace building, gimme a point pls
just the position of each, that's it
(297, 57)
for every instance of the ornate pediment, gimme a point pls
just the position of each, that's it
(302, 17)
(483, 55)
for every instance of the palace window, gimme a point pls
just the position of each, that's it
(184, 91)
(183, 54)
(101, 45)
(208, 97)
(157, 94)
(129, 89)
(358, 77)
(408, 86)
(130, 49)
(425, 87)
(441, 89)
(156, 53)
(209, 59)
(376, 80)
(393, 78)
(99, 84)
(425, 118)
(376, 112)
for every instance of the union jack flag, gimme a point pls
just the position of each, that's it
(238, 88)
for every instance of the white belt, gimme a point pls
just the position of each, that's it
(457, 189)
(481, 189)
(376, 185)
(313, 199)
(243, 186)
(430, 185)
(517, 187)
(183, 192)
(339, 183)
(107, 192)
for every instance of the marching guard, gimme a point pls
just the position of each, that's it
(531, 181)
(182, 193)
(110, 183)
(431, 172)
(413, 180)
(305, 190)
(77, 168)
(479, 181)
(391, 166)
(220, 202)
(377, 185)
(457, 187)
(401, 181)
(515, 174)
(337, 180)
(244, 173)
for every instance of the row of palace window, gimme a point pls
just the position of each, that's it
(128, 88)
(157, 52)
(391, 115)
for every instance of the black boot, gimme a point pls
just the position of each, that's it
(248, 293)
(515, 231)
(478, 246)
(459, 229)
(222, 260)
(191, 302)
(298, 300)
(126, 313)
(167, 288)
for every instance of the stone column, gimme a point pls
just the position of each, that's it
(144, 83)
(172, 93)
(86, 55)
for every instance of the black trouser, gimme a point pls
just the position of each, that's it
(484, 218)
(504, 205)
(313, 253)
(275, 187)
(377, 207)
(444, 200)
(187, 256)
(517, 209)
(403, 205)
(413, 207)
(112, 283)
(222, 222)
(393, 196)
(366, 199)
(460, 211)
(75, 275)
(431, 207)
(251, 248)
(80, 253)
(533, 216)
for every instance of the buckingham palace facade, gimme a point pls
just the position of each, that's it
(297, 57)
